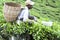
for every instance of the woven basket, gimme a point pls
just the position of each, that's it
(11, 11)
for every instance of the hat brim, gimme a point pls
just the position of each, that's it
(31, 3)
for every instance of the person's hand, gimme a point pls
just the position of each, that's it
(18, 22)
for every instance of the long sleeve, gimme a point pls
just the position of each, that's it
(26, 14)
(21, 14)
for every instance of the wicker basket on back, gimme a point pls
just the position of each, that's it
(11, 11)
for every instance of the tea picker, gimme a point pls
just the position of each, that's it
(24, 15)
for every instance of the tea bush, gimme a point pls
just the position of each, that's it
(36, 29)
(41, 32)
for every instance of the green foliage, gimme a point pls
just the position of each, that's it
(12, 29)
(41, 32)
(47, 10)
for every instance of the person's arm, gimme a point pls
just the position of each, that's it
(21, 14)
(25, 16)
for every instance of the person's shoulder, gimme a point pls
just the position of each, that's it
(26, 8)
(22, 8)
